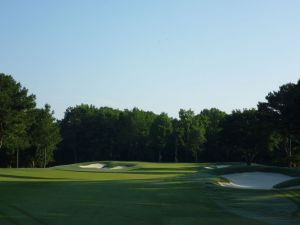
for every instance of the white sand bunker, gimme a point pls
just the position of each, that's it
(208, 168)
(101, 166)
(216, 167)
(93, 166)
(254, 180)
(118, 167)
(221, 166)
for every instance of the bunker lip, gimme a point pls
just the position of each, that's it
(216, 167)
(93, 166)
(102, 166)
(118, 167)
(254, 180)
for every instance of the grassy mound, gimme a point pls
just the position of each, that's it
(108, 165)
(72, 172)
(289, 184)
(294, 172)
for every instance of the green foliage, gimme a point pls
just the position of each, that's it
(242, 130)
(212, 119)
(44, 136)
(160, 133)
(270, 134)
(91, 134)
(282, 111)
(193, 134)
(15, 104)
(177, 138)
(22, 126)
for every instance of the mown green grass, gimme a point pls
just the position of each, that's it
(144, 194)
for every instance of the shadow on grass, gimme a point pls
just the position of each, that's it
(29, 215)
(29, 177)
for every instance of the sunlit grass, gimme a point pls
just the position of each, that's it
(75, 173)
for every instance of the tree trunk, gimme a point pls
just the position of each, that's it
(1, 139)
(288, 150)
(75, 155)
(45, 162)
(291, 164)
(159, 156)
(249, 158)
(17, 158)
(1, 142)
(175, 153)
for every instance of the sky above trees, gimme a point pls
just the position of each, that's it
(155, 55)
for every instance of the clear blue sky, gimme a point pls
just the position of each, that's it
(159, 55)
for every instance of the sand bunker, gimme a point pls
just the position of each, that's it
(93, 166)
(254, 180)
(101, 166)
(208, 168)
(118, 167)
(216, 167)
(221, 166)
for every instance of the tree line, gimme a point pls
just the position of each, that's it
(32, 137)
(28, 135)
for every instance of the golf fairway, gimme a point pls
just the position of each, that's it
(143, 194)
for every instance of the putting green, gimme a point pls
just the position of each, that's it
(142, 194)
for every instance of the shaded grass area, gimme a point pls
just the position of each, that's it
(158, 197)
(289, 183)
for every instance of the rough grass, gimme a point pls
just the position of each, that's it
(146, 194)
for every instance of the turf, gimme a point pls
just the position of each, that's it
(289, 183)
(143, 194)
